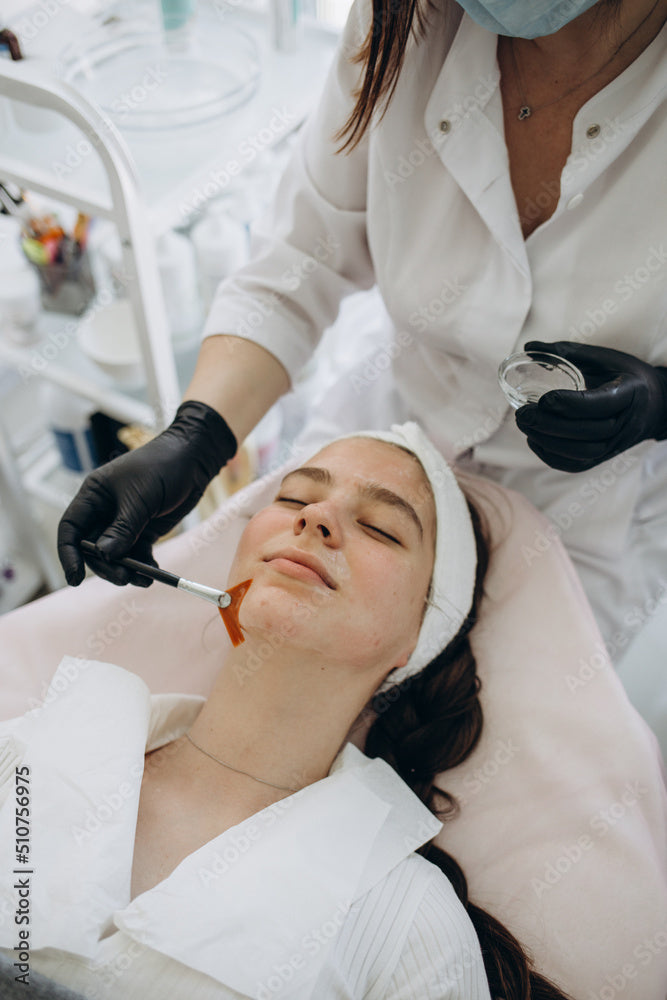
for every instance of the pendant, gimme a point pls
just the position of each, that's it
(524, 112)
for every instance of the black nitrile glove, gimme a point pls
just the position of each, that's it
(127, 504)
(625, 402)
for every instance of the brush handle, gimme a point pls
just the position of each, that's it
(218, 597)
(161, 575)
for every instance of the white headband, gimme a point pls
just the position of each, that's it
(455, 559)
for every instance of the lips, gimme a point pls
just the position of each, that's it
(305, 559)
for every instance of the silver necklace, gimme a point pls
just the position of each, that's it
(282, 788)
(526, 109)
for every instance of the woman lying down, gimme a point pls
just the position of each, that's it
(246, 849)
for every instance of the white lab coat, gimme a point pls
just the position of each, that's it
(424, 208)
(319, 895)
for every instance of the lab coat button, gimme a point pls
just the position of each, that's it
(575, 200)
(445, 125)
(593, 131)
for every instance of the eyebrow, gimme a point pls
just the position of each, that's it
(373, 491)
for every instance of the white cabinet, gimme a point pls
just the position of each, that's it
(88, 164)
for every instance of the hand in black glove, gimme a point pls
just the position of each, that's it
(625, 401)
(130, 502)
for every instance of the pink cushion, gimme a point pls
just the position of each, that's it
(563, 827)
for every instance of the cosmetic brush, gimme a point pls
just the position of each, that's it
(228, 602)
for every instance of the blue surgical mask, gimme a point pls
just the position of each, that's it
(525, 18)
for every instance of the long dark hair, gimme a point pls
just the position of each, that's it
(383, 50)
(382, 53)
(432, 722)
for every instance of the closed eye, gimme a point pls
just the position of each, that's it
(370, 527)
(379, 531)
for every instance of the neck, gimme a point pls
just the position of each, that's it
(564, 70)
(597, 33)
(277, 714)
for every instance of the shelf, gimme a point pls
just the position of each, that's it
(42, 181)
(78, 378)
(148, 183)
(178, 173)
(145, 185)
(45, 478)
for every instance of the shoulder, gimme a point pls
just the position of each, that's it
(415, 939)
(441, 958)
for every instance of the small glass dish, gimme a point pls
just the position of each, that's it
(526, 376)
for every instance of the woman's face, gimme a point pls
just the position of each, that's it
(342, 559)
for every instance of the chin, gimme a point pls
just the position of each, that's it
(273, 610)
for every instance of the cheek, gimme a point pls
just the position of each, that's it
(256, 538)
(397, 593)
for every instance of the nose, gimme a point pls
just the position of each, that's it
(321, 519)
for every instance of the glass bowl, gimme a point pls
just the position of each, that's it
(130, 68)
(526, 376)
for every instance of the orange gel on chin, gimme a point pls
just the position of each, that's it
(230, 615)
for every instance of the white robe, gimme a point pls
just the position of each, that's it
(318, 895)
(425, 211)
